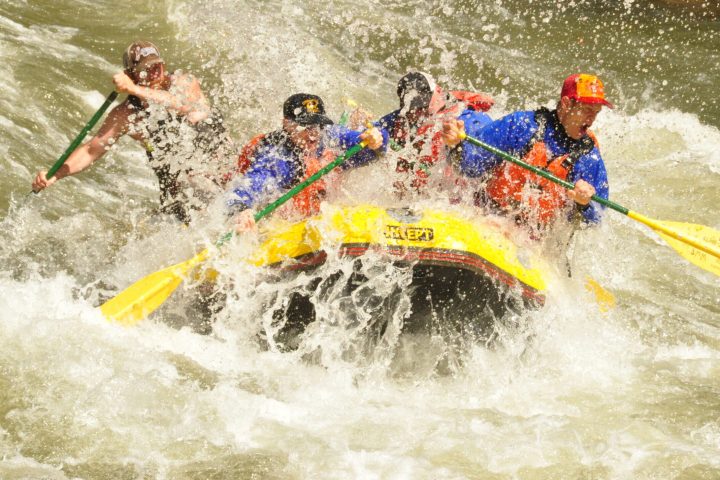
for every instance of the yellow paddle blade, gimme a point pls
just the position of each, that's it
(700, 244)
(144, 296)
(697, 243)
(604, 298)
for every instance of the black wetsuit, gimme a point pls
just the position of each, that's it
(175, 148)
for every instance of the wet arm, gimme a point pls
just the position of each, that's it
(114, 126)
(591, 168)
(187, 99)
(343, 138)
(268, 174)
(506, 134)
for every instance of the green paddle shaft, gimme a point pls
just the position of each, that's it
(542, 173)
(147, 294)
(75, 143)
(300, 186)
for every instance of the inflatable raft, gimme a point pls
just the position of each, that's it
(466, 273)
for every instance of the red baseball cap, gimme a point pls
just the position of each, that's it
(585, 88)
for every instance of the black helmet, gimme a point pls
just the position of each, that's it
(415, 91)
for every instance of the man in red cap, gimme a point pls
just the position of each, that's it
(169, 114)
(558, 141)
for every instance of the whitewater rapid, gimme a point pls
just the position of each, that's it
(573, 392)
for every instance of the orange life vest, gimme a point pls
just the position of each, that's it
(247, 154)
(307, 202)
(514, 189)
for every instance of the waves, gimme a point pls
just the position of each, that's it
(574, 392)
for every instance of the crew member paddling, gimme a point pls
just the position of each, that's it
(415, 128)
(275, 162)
(168, 113)
(559, 141)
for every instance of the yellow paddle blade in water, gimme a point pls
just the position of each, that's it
(698, 244)
(604, 298)
(144, 296)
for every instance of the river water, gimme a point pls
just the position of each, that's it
(633, 393)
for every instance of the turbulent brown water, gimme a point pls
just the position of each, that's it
(630, 394)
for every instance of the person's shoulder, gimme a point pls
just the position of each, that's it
(386, 120)
(181, 78)
(269, 157)
(274, 139)
(521, 117)
(594, 155)
(471, 114)
(273, 146)
(123, 111)
(591, 160)
(474, 119)
(518, 122)
(591, 146)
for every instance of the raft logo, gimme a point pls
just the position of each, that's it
(311, 105)
(412, 234)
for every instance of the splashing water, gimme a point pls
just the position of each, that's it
(563, 392)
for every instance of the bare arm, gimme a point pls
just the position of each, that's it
(186, 96)
(115, 125)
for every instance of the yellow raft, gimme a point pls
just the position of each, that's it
(465, 267)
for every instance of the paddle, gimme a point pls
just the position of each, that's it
(144, 296)
(81, 136)
(697, 243)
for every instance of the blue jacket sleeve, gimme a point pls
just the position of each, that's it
(474, 121)
(269, 173)
(342, 138)
(510, 134)
(591, 168)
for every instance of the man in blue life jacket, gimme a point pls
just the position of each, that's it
(307, 141)
(415, 129)
(559, 141)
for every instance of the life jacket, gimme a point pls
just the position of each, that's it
(424, 159)
(307, 202)
(534, 199)
(245, 158)
(429, 131)
(247, 154)
(479, 102)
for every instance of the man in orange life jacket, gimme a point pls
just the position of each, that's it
(558, 141)
(307, 141)
(416, 127)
